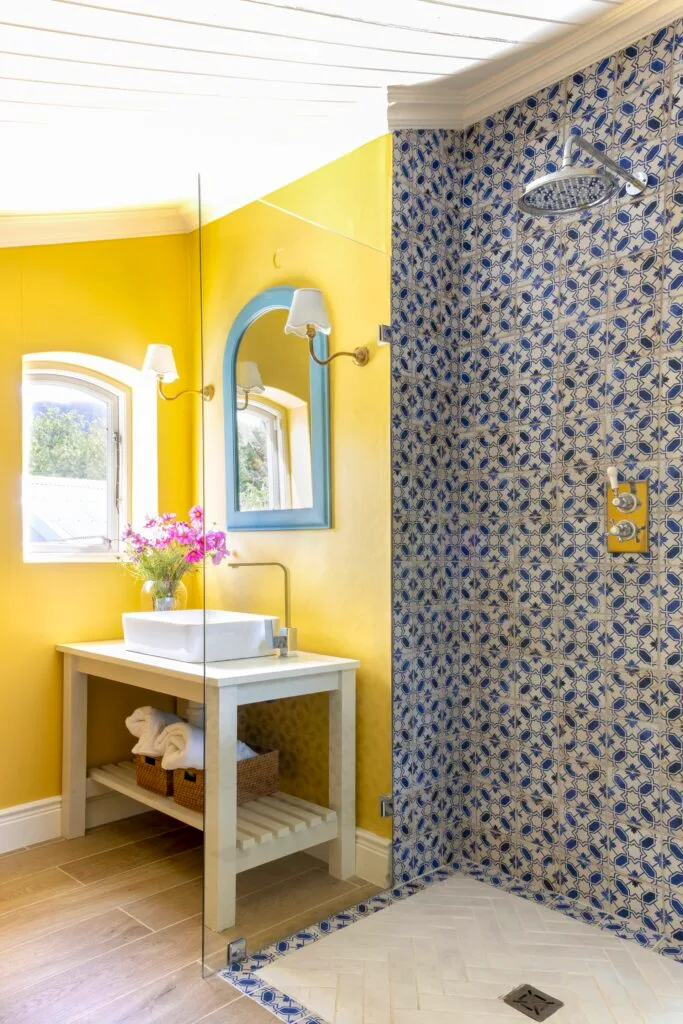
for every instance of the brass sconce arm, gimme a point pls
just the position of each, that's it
(207, 392)
(360, 356)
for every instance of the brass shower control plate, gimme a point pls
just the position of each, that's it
(639, 517)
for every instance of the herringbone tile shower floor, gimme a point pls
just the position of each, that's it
(450, 953)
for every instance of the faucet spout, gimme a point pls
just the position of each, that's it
(285, 570)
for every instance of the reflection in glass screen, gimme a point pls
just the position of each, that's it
(273, 417)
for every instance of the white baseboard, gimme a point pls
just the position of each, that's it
(104, 805)
(24, 824)
(373, 857)
(41, 820)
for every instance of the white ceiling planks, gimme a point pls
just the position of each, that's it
(148, 91)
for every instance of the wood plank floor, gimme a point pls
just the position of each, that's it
(108, 928)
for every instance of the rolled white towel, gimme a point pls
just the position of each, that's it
(147, 724)
(181, 745)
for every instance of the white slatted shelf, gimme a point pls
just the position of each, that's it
(267, 828)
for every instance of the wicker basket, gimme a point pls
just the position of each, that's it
(150, 775)
(188, 788)
(256, 776)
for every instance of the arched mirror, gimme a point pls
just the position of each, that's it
(276, 421)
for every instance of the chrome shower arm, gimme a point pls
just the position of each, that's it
(580, 143)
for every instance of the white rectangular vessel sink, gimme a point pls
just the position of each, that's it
(180, 635)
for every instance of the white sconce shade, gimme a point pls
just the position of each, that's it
(308, 307)
(159, 360)
(249, 377)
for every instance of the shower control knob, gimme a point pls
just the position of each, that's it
(624, 530)
(625, 502)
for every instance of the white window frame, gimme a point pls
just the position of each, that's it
(116, 402)
(278, 467)
(139, 456)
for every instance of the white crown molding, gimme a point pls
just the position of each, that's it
(23, 229)
(465, 98)
(413, 109)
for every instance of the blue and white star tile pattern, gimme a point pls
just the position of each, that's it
(538, 681)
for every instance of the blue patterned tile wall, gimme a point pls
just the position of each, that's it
(426, 322)
(538, 681)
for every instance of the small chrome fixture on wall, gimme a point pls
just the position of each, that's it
(159, 360)
(384, 335)
(627, 511)
(307, 316)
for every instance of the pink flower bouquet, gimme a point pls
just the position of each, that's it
(168, 549)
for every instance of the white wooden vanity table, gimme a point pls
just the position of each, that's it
(235, 838)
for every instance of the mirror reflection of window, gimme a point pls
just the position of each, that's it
(273, 420)
(263, 462)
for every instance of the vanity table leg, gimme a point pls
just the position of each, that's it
(342, 850)
(74, 732)
(220, 809)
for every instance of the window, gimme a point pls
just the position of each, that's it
(74, 477)
(262, 457)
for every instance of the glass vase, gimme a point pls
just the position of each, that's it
(157, 597)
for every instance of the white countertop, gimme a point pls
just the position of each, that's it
(219, 673)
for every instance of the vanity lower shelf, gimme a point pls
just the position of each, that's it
(267, 828)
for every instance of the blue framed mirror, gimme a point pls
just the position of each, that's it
(276, 412)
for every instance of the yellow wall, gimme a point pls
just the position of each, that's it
(111, 299)
(108, 299)
(340, 577)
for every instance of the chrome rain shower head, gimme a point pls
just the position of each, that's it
(572, 189)
(567, 191)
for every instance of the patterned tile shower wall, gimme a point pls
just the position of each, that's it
(426, 321)
(538, 691)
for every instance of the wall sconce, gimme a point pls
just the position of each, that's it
(159, 361)
(307, 316)
(248, 381)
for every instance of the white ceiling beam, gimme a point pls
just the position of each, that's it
(69, 50)
(559, 11)
(53, 94)
(55, 42)
(50, 73)
(319, 19)
(127, 122)
(264, 33)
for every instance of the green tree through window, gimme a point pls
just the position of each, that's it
(253, 465)
(66, 442)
